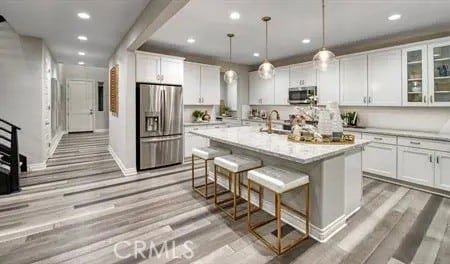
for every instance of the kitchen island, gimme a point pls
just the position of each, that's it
(334, 170)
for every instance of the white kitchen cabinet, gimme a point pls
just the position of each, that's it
(353, 80)
(380, 159)
(193, 141)
(385, 78)
(210, 85)
(442, 171)
(201, 84)
(156, 68)
(302, 75)
(414, 75)
(191, 87)
(439, 74)
(147, 68)
(260, 91)
(328, 84)
(282, 86)
(416, 165)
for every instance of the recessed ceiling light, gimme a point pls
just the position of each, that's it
(81, 62)
(83, 38)
(81, 53)
(256, 54)
(306, 41)
(394, 17)
(235, 15)
(84, 15)
(191, 40)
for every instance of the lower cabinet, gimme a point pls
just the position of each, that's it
(416, 165)
(192, 141)
(380, 159)
(442, 171)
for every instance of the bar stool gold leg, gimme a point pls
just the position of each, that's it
(249, 206)
(234, 195)
(215, 185)
(206, 179)
(307, 209)
(278, 216)
(192, 167)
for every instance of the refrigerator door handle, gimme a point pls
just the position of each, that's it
(160, 139)
(164, 111)
(161, 112)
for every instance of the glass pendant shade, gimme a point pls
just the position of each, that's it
(266, 70)
(323, 58)
(230, 76)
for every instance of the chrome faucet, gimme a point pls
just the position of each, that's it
(269, 123)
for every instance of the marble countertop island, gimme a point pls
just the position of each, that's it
(251, 138)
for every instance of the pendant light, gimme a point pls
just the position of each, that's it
(266, 69)
(324, 57)
(230, 76)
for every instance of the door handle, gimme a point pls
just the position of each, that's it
(437, 159)
(431, 99)
(91, 111)
(365, 99)
(431, 158)
(370, 99)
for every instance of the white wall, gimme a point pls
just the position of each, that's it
(98, 75)
(21, 89)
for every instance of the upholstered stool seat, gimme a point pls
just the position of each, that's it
(232, 167)
(205, 154)
(279, 181)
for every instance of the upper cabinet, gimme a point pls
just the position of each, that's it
(439, 74)
(302, 75)
(328, 84)
(260, 91)
(155, 68)
(282, 86)
(201, 84)
(353, 80)
(414, 73)
(385, 78)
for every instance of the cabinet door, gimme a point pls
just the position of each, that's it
(439, 74)
(353, 80)
(385, 78)
(282, 86)
(210, 85)
(442, 171)
(254, 89)
(171, 71)
(148, 68)
(328, 84)
(416, 165)
(380, 159)
(191, 87)
(187, 143)
(267, 91)
(302, 75)
(414, 68)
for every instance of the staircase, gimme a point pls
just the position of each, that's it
(11, 162)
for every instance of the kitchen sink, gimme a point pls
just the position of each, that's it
(275, 131)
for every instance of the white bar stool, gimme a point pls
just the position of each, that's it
(205, 154)
(279, 181)
(232, 167)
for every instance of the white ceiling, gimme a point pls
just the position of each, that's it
(347, 22)
(57, 23)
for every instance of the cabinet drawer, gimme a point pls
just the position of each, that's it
(385, 139)
(423, 143)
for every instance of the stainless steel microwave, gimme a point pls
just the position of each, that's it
(302, 95)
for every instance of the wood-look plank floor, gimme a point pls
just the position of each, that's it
(78, 209)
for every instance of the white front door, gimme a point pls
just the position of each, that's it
(80, 105)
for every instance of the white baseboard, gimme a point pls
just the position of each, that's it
(37, 166)
(101, 130)
(322, 235)
(126, 171)
(55, 142)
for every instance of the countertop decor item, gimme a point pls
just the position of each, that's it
(206, 116)
(324, 57)
(325, 125)
(198, 115)
(266, 70)
(230, 76)
(308, 139)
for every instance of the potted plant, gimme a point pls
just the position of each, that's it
(198, 115)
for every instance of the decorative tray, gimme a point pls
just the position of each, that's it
(345, 140)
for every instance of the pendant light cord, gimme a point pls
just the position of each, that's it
(229, 61)
(323, 23)
(267, 37)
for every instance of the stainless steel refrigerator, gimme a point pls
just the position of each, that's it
(160, 114)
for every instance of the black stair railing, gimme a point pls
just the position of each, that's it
(10, 158)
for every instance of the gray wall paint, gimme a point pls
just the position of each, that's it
(21, 89)
(90, 73)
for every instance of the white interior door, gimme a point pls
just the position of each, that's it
(80, 106)
(46, 105)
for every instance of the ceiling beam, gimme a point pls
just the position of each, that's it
(155, 14)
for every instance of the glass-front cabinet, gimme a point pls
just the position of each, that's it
(415, 76)
(439, 74)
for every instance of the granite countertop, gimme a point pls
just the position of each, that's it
(276, 145)
(402, 133)
(215, 122)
